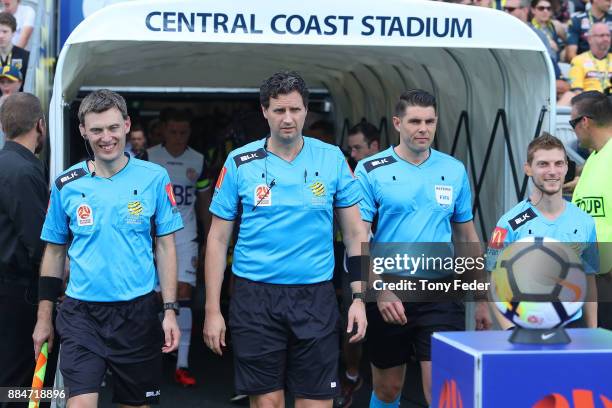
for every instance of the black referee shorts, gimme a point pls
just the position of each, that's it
(285, 336)
(125, 337)
(391, 345)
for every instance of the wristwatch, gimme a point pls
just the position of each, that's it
(359, 295)
(172, 306)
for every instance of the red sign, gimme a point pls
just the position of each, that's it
(498, 238)
(450, 396)
(581, 399)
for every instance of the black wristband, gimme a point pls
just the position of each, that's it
(354, 266)
(49, 288)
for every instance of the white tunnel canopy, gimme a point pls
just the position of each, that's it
(364, 53)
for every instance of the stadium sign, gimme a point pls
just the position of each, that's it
(317, 25)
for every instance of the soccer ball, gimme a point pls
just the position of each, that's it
(538, 283)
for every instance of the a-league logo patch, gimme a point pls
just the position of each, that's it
(444, 195)
(84, 215)
(262, 196)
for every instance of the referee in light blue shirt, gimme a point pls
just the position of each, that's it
(546, 214)
(283, 313)
(419, 195)
(110, 317)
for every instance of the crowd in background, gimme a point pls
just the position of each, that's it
(576, 34)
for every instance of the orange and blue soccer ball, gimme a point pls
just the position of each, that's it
(539, 283)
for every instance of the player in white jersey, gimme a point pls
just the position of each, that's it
(187, 170)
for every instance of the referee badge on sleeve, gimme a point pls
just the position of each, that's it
(444, 195)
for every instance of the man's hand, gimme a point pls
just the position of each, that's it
(482, 316)
(391, 308)
(214, 332)
(172, 334)
(357, 315)
(570, 185)
(43, 331)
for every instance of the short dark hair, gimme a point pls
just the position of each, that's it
(9, 20)
(282, 83)
(595, 105)
(19, 114)
(100, 101)
(368, 130)
(545, 141)
(414, 97)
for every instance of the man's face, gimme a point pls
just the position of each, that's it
(542, 11)
(176, 135)
(416, 128)
(286, 115)
(9, 87)
(106, 132)
(513, 7)
(10, 5)
(602, 5)
(137, 140)
(359, 148)
(599, 40)
(6, 36)
(582, 129)
(547, 169)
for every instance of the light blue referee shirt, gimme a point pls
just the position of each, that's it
(286, 227)
(110, 220)
(414, 203)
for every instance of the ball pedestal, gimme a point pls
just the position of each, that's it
(539, 336)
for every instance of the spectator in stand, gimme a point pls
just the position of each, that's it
(11, 80)
(25, 16)
(10, 54)
(591, 70)
(578, 6)
(561, 12)
(553, 30)
(580, 25)
(520, 10)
